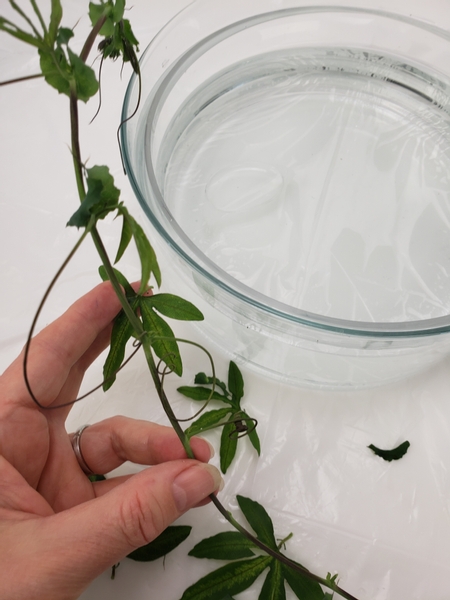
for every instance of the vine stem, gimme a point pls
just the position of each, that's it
(224, 512)
(19, 79)
(143, 337)
(87, 47)
(165, 401)
(276, 554)
(78, 167)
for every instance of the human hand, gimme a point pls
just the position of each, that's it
(58, 531)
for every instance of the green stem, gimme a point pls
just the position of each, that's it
(9, 27)
(134, 320)
(165, 402)
(74, 123)
(24, 16)
(78, 168)
(39, 16)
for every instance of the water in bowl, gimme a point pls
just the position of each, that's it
(320, 178)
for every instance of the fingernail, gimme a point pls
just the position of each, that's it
(194, 484)
(212, 452)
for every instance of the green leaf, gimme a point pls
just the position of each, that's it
(119, 37)
(56, 70)
(230, 579)
(55, 20)
(175, 307)
(63, 36)
(37, 12)
(130, 45)
(101, 197)
(118, 10)
(9, 27)
(121, 332)
(203, 379)
(129, 35)
(235, 381)
(259, 520)
(125, 238)
(109, 193)
(273, 587)
(228, 445)
(167, 541)
(85, 78)
(228, 545)
(332, 579)
(390, 455)
(200, 393)
(147, 256)
(96, 11)
(253, 434)
(207, 421)
(129, 292)
(303, 587)
(94, 478)
(162, 338)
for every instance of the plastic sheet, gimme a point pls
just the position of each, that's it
(383, 527)
(319, 182)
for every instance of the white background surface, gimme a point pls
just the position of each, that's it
(384, 527)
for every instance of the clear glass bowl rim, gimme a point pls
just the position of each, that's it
(218, 277)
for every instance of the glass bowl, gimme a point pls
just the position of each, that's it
(294, 164)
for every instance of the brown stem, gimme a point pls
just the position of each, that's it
(75, 142)
(78, 166)
(91, 37)
(19, 79)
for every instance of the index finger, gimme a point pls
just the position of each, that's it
(109, 443)
(58, 347)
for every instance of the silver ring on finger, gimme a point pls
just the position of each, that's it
(76, 441)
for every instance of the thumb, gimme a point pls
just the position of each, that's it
(82, 542)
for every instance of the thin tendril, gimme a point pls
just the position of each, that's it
(137, 344)
(39, 310)
(97, 387)
(167, 371)
(195, 415)
(99, 90)
(129, 118)
(241, 432)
